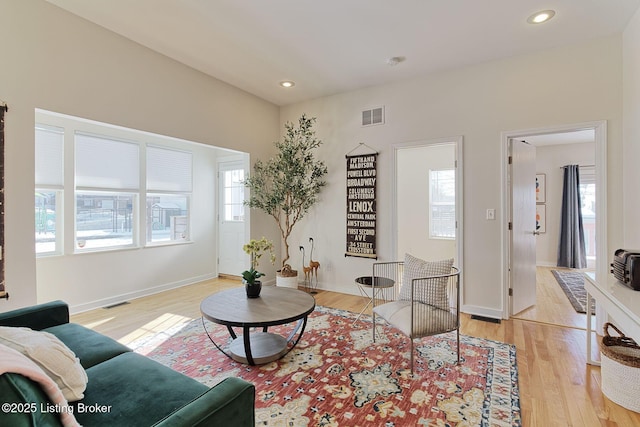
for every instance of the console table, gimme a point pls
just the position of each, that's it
(619, 301)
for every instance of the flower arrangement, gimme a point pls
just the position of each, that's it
(257, 248)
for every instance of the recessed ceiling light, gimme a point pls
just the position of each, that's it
(540, 17)
(395, 60)
(287, 83)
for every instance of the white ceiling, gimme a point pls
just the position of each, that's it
(333, 46)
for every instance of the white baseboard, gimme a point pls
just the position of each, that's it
(482, 311)
(117, 299)
(349, 289)
(545, 264)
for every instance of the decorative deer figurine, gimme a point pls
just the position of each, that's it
(307, 270)
(313, 264)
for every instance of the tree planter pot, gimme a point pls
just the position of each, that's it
(287, 279)
(253, 291)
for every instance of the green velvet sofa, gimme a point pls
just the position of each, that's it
(132, 389)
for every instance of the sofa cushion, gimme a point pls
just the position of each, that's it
(432, 292)
(89, 346)
(50, 354)
(133, 390)
(428, 320)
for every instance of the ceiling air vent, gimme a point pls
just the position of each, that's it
(375, 116)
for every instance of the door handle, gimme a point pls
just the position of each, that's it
(536, 233)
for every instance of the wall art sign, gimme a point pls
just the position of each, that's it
(361, 205)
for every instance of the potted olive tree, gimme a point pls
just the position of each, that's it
(287, 185)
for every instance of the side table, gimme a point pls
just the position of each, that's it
(377, 286)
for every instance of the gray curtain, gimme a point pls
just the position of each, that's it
(571, 249)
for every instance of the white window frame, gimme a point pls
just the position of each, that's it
(432, 203)
(184, 189)
(107, 188)
(66, 220)
(148, 221)
(223, 187)
(59, 228)
(588, 178)
(50, 184)
(80, 246)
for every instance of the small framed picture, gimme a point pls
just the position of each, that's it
(541, 188)
(541, 218)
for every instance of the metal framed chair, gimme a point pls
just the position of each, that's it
(424, 306)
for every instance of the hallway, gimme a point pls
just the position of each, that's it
(552, 305)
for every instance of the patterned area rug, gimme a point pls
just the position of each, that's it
(336, 376)
(572, 283)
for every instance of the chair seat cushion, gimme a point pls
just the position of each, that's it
(428, 319)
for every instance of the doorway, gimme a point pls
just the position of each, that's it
(427, 214)
(232, 215)
(553, 143)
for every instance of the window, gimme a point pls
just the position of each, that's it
(442, 204)
(127, 188)
(49, 143)
(233, 189)
(107, 175)
(587, 191)
(169, 189)
(46, 209)
(104, 220)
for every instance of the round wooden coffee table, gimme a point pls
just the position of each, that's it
(275, 306)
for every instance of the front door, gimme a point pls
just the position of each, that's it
(232, 260)
(523, 225)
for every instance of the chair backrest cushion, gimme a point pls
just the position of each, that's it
(435, 294)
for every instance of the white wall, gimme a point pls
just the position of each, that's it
(551, 88)
(72, 277)
(58, 62)
(413, 169)
(631, 105)
(549, 160)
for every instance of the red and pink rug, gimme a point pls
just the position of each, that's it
(336, 376)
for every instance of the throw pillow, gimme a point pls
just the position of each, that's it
(48, 352)
(435, 291)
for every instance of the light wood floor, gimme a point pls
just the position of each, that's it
(557, 387)
(552, 305)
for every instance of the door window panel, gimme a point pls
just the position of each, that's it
(233, 190)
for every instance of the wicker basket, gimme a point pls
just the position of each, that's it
(620, 369)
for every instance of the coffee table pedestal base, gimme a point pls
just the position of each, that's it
(265, 347)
